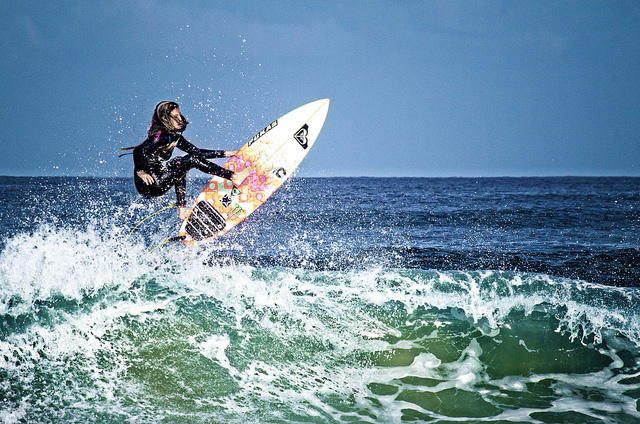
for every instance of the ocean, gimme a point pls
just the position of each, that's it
(341, 300)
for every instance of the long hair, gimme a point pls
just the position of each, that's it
(161, 119)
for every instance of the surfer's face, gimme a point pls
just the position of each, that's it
(177, 120)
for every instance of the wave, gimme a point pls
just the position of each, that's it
(76, 263)
(186, 334)
(612, 267)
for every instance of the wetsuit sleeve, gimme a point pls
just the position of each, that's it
(187, 147)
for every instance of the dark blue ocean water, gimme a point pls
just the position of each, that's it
(340, 300)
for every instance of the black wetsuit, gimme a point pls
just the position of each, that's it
(154, 157)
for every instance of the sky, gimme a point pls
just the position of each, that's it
(427, 88)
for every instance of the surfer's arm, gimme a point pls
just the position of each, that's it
(187, 147)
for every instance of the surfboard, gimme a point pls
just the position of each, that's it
(272, 155)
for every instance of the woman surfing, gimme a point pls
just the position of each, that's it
(155, 171)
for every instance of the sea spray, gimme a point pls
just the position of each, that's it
(183, 339)
(282, 321)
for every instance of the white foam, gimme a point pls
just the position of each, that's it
(14, 416)
(324, 318)
(214, 348)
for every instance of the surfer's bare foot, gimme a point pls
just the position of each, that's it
(239, 177)
(182, 213)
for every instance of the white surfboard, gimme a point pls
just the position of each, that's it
(272, 155)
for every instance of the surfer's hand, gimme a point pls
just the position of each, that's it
(146, 178)
(182, 213)
(230, 153)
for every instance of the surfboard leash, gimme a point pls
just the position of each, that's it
(144, 219)
(170, 239)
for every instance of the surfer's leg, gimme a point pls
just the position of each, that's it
(163, 183)
(149, 190)
(181, 191)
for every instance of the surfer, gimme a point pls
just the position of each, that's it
(155, 172)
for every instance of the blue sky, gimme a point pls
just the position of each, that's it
(417, 88)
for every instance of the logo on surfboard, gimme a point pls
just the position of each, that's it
(280, 173)
(263, 132)
(301, 136)
(226, 201)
